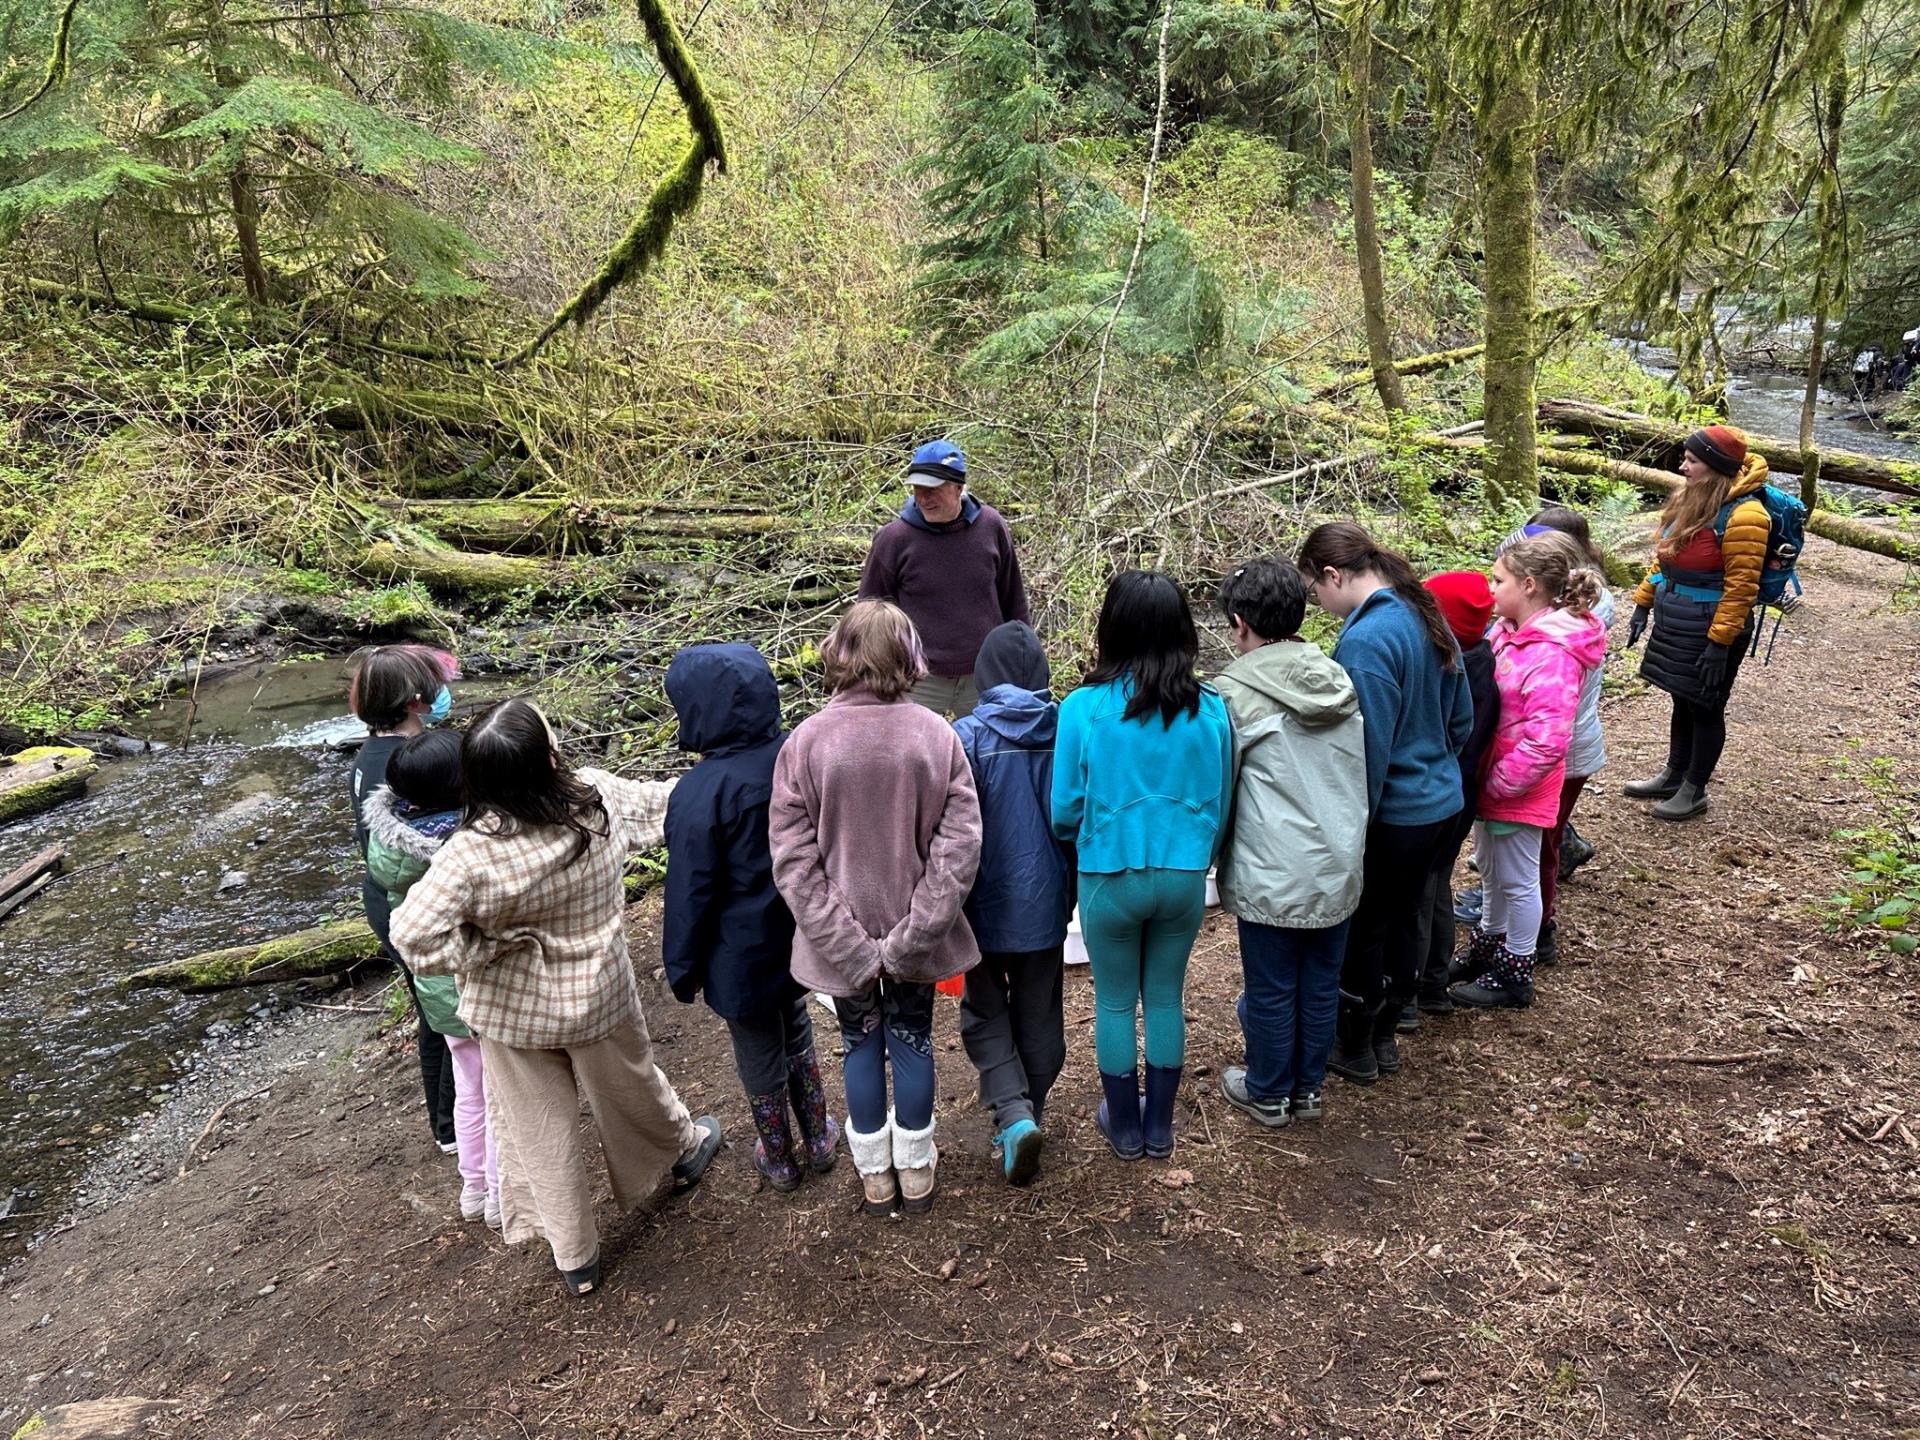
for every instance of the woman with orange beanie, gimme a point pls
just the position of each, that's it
(1708, 558)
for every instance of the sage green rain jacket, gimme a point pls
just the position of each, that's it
(1299, 828)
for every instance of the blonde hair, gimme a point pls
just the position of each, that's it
(874, 647)
(1555, 561)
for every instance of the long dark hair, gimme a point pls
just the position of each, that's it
(1342, 545)
(512, 779)
(1146, 633)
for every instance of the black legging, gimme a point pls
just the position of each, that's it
(1383, 959)
(1697, 733)
(436, 1061)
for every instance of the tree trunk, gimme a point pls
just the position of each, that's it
(1660, 443)
(325, 950)
(1508, 145)
(1366, 234)
(1830, 218)
(246, 226)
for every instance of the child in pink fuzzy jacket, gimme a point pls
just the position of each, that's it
(1544, 640)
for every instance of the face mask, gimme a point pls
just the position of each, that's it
(442, 705)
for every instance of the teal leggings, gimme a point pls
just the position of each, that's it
(1139, 927)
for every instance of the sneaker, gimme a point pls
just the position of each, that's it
(473, 1202)
(1307, 1105)
(584, 1280)
(1274, 1114)
(688, 1169)
(1469, 905)
(448, 1147)
(492, 1215)
(1019, 1147)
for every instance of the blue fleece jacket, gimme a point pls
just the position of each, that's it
(1023, 896)
(1419, 716)
(1137, 794)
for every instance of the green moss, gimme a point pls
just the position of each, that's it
(326, 950)
(61, 774)
(36, 1424)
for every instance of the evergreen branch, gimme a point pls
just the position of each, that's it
(677, 193)
(57, 65)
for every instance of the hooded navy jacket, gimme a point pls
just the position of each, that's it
(727, 931)
(1023, 895)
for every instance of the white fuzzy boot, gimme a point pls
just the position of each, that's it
(916, 1158)
(873, 1158)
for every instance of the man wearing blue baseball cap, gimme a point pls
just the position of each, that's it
(949, 562)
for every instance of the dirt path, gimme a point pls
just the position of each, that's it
(1541, 1228)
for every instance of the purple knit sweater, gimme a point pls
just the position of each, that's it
(956, 583)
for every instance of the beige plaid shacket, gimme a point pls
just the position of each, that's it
(539, 944)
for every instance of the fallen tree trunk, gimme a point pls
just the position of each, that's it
(25, 893)
(324, 950)
(41, 777)
(1412, 365)
(1842, 467)
(1659, 483)
(451, 572)
(538, 526)
(50, 860)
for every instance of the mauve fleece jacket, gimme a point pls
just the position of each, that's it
(875, 830)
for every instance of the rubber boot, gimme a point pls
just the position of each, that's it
(1119, 1114)
(1482, 949)
(1654, 787)
(1385, 1038)
(774, 1153)
(1352, 1057)
(1575, 851)
(873, 1158)
(1685, 803)
(1156, 1110)
(1546, 950)
(916, 1162)
(1508, 985)
(819, 1134)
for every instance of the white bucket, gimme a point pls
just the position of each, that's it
(1076, 948)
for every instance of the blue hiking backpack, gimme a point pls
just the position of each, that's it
(1786, 538)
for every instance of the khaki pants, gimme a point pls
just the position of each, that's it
(945, 695)
(545, 1190)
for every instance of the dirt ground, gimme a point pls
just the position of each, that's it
(1678, 1197)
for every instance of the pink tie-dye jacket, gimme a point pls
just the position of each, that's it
(1538, 669)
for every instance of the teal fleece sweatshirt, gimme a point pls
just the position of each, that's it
(1419, 715)
(1138, 794)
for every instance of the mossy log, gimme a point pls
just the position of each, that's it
(1412, 365)
(527, 526)
(41, 777)
(452, 572)
(1661, 441)
(1658, 483)
(324, 950)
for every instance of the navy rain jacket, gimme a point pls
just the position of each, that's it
(1023, 895)
(727, 931)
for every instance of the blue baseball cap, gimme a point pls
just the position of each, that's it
(938, 462)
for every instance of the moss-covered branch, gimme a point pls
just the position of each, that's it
(39, 778)
(324, 950)
(676, 194)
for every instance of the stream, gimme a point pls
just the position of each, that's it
(241, 832)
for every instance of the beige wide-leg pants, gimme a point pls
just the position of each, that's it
(545, 1190)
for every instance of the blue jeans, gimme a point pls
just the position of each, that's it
(890, 1026)
(1288, 1009)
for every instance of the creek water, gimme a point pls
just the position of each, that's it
(236, 830)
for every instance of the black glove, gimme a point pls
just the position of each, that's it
(1637, 626)
(1713, 670)
(686, 990)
